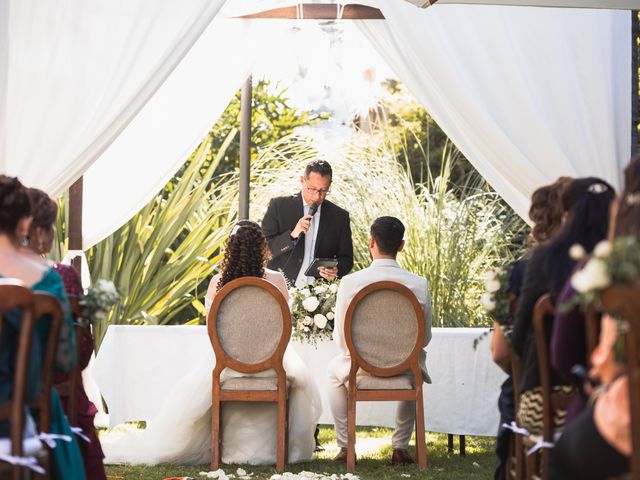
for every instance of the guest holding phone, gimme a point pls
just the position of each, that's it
(306, 226)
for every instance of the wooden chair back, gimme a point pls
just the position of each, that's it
(15, 295)
(249, 326)
(384, 332)
(592, 330)
(47, 308)
(623, 301)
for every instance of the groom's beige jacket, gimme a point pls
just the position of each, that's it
(350, 285)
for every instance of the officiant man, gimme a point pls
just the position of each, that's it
(305, 226)
(385, 242)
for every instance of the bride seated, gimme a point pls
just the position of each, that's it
(181, 431)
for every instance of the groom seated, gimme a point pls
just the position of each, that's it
(386, 241)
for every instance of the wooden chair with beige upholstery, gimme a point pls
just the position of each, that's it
(249, 327)
(384, 332)
(14, 294)
(623, 301)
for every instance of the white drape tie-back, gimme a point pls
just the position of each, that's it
(79, 432)
(30, 462)
(50, 438)
(84, 265)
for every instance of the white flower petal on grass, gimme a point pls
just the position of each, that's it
(602, 249)
(320, 320)
(492, 286)
(577, 252)
(487, 301)
(241, 472)
(310, 303)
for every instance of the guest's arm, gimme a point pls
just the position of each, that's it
(500, 348)
(533, 287)
(211, 293)
(279, 238)
(66, 351)
(342, 303)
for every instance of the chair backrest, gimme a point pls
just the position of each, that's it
(623, 301)
(15, 295)
(544, 308)
(249, 326)
(47, 308)
(384, 329)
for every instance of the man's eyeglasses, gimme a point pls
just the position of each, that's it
(319, 191)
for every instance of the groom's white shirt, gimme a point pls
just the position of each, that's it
(350, 285)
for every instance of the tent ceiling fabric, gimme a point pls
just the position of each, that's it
(74, 73)
(527, 94)
(604, 4)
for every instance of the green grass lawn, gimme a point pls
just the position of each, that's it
(374, 453)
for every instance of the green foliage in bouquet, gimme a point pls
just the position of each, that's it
(313, 310)
(98, 301)
(616, 262)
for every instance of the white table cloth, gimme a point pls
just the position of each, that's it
(137, 366)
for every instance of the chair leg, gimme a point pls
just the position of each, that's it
(420, 436)
(351, 433)
(519, 467)
(215, 433)
(282, 436)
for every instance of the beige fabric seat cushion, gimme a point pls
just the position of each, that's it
(252, 383)
(368, 382)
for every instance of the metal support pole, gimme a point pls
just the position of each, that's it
(635, 31)
(245, 148)
(75, 221)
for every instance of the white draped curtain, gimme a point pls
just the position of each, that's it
(73, 74)
(527, 94)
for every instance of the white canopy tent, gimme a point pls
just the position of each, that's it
(610, 4)
(527, 94)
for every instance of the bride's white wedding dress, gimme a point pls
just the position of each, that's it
(181, 431)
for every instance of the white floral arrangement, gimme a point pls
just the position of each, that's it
(98, 300)
(313, 309)
(495, 298)
(610, 263)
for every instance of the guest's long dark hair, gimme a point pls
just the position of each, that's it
(546, 210)
(628, 208)
(586, 202)
(245, 254)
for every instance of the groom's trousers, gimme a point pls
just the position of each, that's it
(405, 413)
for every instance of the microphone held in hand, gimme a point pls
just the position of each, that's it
(313, 208)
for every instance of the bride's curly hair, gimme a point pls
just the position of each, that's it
(246, 253)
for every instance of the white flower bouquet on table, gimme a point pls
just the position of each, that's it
(98, 300)
(497, 301)
(611, 263)
(313, 309)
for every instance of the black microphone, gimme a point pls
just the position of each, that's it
(313, 208)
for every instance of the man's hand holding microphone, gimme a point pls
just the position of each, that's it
(299, 232)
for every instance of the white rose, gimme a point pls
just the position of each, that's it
(320, 320)
(310, 303)
(333, 288)
(487, 301)
(492, 286)
(577, 252)
(305, 292)
(580, 282)
(319, 289)
(602, 249)
(490, 275)
(596, 272)
(330, 316)
(307, 320)
(305, 329)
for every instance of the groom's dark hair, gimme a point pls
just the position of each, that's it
(388, 233)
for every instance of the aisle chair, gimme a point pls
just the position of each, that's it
(385, 314)
(249, 326)
(14, 294)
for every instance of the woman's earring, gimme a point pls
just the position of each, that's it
(25, 240)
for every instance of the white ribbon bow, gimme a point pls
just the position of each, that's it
(84, 265)
(50, 438)
(29, 462)
(513, 426)
(540, 444)
(78, 432)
